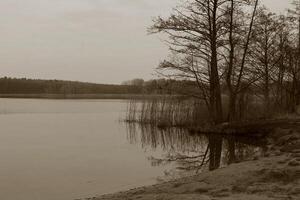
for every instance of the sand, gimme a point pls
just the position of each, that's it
(273, 176)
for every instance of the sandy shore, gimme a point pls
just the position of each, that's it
(274, 176)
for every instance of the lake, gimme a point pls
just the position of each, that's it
(70, 149)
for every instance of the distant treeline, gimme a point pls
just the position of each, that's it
(136, 86)
(31, 86)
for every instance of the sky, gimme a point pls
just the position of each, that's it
(101, 41)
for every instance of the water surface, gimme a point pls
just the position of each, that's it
(69, 149)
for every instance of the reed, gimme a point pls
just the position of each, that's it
(167, 112)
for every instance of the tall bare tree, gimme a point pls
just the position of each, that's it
(195, 31)
(239, 34)
(265, 54)
(295, 61)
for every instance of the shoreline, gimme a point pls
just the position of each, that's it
(79, 96)
(276, 175)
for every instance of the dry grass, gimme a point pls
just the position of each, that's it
(176, 111)
(167, 112)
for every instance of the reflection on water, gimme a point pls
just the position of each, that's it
(194, 152)
(70, 149)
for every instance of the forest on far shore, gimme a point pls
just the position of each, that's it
(38, 86)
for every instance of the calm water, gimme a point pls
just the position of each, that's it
(68, 149)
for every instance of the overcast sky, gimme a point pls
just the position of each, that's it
(103, 41)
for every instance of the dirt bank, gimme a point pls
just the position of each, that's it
(274, 176)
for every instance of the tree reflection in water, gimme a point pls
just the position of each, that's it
(193, 152)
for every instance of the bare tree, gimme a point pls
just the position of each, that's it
(239, 35)
(195, 33)
(238, 46)
(265, 54)
(295, 68)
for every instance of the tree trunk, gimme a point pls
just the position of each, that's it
(215, 89)
(232, 95)
(215, 149)
(231, 149)
(232, 114)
